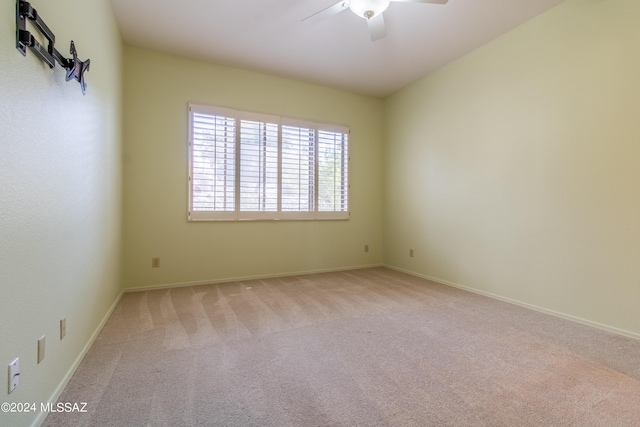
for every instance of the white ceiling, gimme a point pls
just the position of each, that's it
(268, 36)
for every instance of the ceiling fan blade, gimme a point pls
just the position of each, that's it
(376, 27)
(422, 1)
(324, 13)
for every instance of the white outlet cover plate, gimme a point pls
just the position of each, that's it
(41, 342)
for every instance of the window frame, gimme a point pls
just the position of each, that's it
(239, 214)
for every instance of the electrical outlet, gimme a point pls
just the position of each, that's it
(411, 253)
(41, 349)
(155, 262)
(366, 248)
(14, 374)
(63, 328)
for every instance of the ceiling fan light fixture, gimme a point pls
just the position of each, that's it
(368, 8)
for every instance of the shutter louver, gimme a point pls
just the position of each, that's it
(258, 166)
(298, 169)
(333, 173)
(213, 163)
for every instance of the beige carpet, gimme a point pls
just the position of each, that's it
(369, 347)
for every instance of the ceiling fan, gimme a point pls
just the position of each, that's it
(371, 10)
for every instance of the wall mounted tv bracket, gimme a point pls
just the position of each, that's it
(75, 68)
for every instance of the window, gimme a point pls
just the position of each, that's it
(254, 166)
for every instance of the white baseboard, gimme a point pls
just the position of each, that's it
(612, 329)
(241, 278)
(58, 391)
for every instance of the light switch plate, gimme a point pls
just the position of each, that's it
(14, 374)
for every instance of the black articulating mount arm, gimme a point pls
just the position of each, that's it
(75, 68)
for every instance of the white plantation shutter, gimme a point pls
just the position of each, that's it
(254, 166)
(258, 166)
(213, 153)
(298, 169)
(333, 171)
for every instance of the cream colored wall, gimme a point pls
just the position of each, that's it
(60, 192)
(514, 170)
(158, 88)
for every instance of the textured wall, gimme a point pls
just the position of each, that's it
(158, 88)
(60, 193)
(514, 170)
